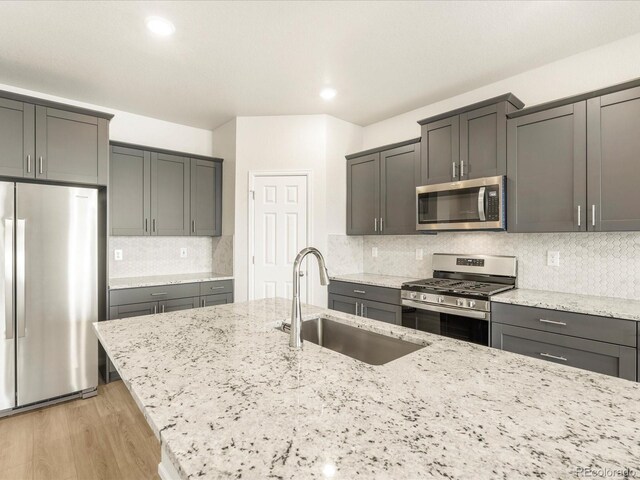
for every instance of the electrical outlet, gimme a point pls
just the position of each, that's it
(553, 258)
(117, 254)
(374, 252)
(419, 254)
(183, 252)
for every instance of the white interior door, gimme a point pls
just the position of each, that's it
(280, 232)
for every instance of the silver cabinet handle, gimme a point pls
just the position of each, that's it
(40, 164)
(579, 215)
(359, 291)
(155, 309)
(28, 163)
(193, 226)
(357, 314)
(202, 302)
(153, 225)
(220, 288)
(375, 224)
(146, 224)
(365, 310)
(8, 278)
(162, 308)
(158, 294)
(21, 294)
(481, 194)
(381, 223)
(593, 215)
(453, 171)
(553, 322)
(555, 357)
(461, 168)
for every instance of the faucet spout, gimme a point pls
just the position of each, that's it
(295, 335)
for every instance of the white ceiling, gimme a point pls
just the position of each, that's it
(229, 59)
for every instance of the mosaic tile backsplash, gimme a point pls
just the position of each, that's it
(606, 264)
(149, 256)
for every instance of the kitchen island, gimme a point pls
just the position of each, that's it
(227, 398)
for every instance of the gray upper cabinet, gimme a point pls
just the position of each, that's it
(441, 151)
(613, 158)
(71, 147)
(399, 175)
(17, 147)
(206, 197)
(363, 194)
(130, 191)
(170, 194)
(546, 180)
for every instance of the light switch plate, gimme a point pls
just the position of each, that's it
(183, 252)
(553, 258)
(419, 254)
(117, 254)
(374, 252)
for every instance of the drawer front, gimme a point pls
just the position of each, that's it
(614, 360)
(217, 287)
(365, 292)
(603, 329)
(218, 299)
(148, 294)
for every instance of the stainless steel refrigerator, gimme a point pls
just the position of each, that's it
(48, 292)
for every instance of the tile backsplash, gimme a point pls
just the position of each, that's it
(148, 256)
(606, 264)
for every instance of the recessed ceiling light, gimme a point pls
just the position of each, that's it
(328, 93)
(160, 26)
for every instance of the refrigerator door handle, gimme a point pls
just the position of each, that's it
(20, 278)
(8, 278)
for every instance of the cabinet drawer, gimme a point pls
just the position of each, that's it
(365, 292)
(614, 360)
(603, 329)
(218, 299)
(216, 287)
(158, 293)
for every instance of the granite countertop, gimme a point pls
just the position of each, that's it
(572, 302)
(390, 281)
(228, 398)
(132, 282)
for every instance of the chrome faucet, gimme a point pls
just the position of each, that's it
(295, 335)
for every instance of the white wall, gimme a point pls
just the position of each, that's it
(132, 128)
(600, 67)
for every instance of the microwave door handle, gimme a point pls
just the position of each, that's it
(481, 194)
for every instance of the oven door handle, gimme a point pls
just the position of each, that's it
(481, 194)
(452, 310)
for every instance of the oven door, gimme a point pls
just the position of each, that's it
(467, 205)
(468, 325)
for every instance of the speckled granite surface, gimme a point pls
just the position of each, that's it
(571, 302)
(390, 281)
(132, 282)
(229, 399)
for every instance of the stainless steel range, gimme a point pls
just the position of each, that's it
(456, 302)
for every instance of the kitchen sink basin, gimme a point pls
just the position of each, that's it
(369, 347)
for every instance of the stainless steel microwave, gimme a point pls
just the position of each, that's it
(477, 204)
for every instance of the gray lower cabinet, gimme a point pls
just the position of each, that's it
(613, 153)
(206, 197)
(130, 191)
(71, 147)
(546, 181)
(170, 194)
(17, 147)
(600, 357)
(363, 194)
(370, 301)
(218, 299)
(383, 312)
(441, 151)
(134, 310)
(178, 304)
(344, 304)
(399, 176)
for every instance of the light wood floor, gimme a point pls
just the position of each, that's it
(104, 437)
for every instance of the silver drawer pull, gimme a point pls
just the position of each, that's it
(553, 322)
(555, 357)
(158, 294)
(359, 291)
(217, 288)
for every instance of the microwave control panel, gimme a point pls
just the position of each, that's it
(493, 203)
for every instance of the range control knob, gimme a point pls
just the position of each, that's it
(440, 299)
(413, 295)
(472, 303)
(423, 296)
(460, 302)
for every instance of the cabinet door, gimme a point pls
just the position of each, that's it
(614, 161)
(178, 304)
(17, 154)
(71, 147)
(219, 299)
(382, 312)
(344, 304)
(363, 195)
(134, 310)
(440, 151)
(399, 174)
(600, 357)
(546, 157)
(170, 196)
(206, 197)
(483, 142)
(130, 191)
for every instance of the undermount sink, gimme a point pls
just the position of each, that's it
(369, 347)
